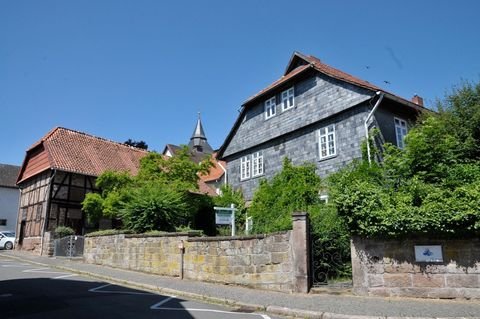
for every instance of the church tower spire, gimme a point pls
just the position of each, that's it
(198, 141)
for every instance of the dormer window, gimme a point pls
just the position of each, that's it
(288, 100)
(270, 108)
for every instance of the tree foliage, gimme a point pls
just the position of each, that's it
(432, 186)
(295, 188)
(162, 196)
(137, 144)
(298, 188)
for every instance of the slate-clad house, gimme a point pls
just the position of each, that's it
(55, 176)
(9, 195)
(313, 113)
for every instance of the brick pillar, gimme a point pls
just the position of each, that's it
(301, 252)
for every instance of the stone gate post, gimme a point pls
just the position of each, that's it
(301, 252)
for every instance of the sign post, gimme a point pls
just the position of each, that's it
(225, 216)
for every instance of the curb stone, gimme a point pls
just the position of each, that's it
(276, 310)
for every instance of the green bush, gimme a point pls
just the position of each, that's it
(162, 196)
(431, 187)
(109, 232)
(295, 188)
(154, 207)
(63, 231)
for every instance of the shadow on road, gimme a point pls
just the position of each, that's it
(57, 298)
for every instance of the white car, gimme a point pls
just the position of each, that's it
(7, 238)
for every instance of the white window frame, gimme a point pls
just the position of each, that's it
(245, 168)
(324, 198)
(270, 107)
(401, 129)
(288, 99)
(257, 164)
(326, 137)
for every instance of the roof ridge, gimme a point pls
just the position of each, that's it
(46, 137)
(325, 68)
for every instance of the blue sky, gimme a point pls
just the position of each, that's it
(143, 69)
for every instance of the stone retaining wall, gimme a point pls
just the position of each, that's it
(256, 261)
(388, 268)
(276, 262)
(260, 262)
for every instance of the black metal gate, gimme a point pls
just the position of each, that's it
(327, 264)
(70, 246)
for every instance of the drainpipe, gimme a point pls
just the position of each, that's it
(369, 116)
(224, 170)
(47, 210)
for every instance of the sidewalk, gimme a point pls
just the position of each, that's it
(322, 306)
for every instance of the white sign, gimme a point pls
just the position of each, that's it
(428, 253)
(223, 218)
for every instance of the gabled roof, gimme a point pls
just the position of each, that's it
(73, 151)
(171, 148)
(300, 64)
(8, 175)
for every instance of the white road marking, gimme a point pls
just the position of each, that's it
(97, 289)
(212, 310)
(164, 301)
(65, 276)
(16, 265)
(45, 271)
(6, 295)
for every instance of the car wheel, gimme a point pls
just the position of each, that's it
(8, 245)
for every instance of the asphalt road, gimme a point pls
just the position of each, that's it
(30, 291)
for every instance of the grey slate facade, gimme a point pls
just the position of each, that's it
(320, 99)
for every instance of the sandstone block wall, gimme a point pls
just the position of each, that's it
(256, 261)
(158, 255)
(388, 268)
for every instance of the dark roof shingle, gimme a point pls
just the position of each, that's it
(8, 175)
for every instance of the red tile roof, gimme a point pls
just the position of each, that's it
(216, 171)
(77, 152)
(338, 74)
(280, 81)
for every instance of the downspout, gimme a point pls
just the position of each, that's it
(369, 116)
(224, 170)
(47, 209)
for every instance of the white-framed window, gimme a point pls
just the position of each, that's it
(270, 108)
(257, 164)
(288, 100)
(245, 168)
(400, 131)
(324, 198)
(326, 141)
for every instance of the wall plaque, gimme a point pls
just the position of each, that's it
(428, 253)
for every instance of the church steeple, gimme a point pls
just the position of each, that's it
(198, 141)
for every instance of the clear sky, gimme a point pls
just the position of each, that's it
(142, 69)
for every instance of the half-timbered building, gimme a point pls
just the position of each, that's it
(56, 174)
